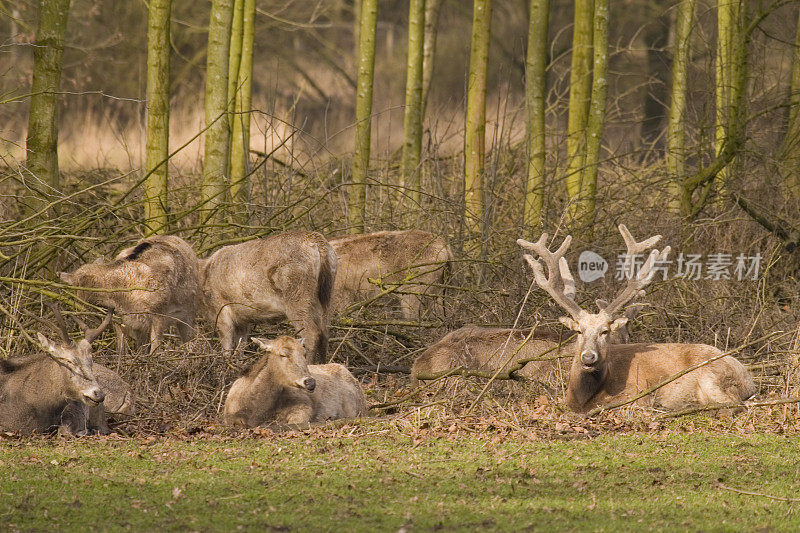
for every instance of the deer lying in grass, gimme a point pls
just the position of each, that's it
(56, 389)
(288, 276)
(164, 268)
(603, 372)
(489, 349)
(415, 259)
(282, 388)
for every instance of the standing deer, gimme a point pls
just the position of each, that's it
(153, 285)
(603, 372)
(56, 389)
(413, 260)
(288, 276)
(281, 387)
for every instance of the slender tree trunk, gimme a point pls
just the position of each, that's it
(217, 136)
(597, 112)
(579, 97)
(432, 10)
(475, 135)
(240, 138)
(676, 133)
(535, 95)
(726, 34)
(412, 118)
(234, 57)
(790, 153)
(42, 142)
(366, 73)
(356, 32)
(158, 90)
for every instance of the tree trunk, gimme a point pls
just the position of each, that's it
(726, 34)
(366, 73)
(597, 112)
(42, 142)
(412, 117)
(158, 90)
(535, 96)
(475, 135)
(217, 136)
(234, 57)
(676, 137)
(580, 83)
(240, 138)
(432, 10)
(790, 152)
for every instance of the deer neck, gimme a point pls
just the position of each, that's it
(584, 385)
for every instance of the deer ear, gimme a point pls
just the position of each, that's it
(601, 304)
(100, 260)
(264, 344)
(302, 342)
(45, 343)
(618, 323)
(569, 323)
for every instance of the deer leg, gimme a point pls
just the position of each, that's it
(312, 325)
(186, 329)
(156, 334)
(410, 304)
(227, 330)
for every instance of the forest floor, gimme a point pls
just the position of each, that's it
(397, 473)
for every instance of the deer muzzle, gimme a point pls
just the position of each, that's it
(94, 396)
(310, 384)
(589, 358)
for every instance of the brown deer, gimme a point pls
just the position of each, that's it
(413, 262)
(603, 372)
(289, 276)
(153, 285)
(281, 387)
(482, 348)
(56, 389)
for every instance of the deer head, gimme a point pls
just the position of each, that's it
(594, 329)
(76, 358)
(287, 356)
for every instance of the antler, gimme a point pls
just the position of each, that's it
(559, 284)
(646, 273)
(91, 334)
(61, 325)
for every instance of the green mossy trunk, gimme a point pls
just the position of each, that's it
(412, 116)
(535, 97)
(432, 10)
(158, 91)
(366, 72)
(676, 128)
(580, 85)
(597, 114)
(475, 135)
(217, 135)
(42, 143)
(240, 136)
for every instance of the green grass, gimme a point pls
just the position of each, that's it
(386, 481)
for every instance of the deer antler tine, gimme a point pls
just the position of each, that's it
(558, 283)
(61, 325)
(92, 334)
(566, 277)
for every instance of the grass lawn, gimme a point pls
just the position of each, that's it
(385, 480)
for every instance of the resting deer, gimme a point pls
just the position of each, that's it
(603, 372)
(56, 389)
(281, 387)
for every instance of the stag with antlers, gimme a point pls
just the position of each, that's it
(603, 372)
(54, 389)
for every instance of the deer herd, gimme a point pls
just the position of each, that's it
(303, 279)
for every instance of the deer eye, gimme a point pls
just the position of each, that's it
(604, 333)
